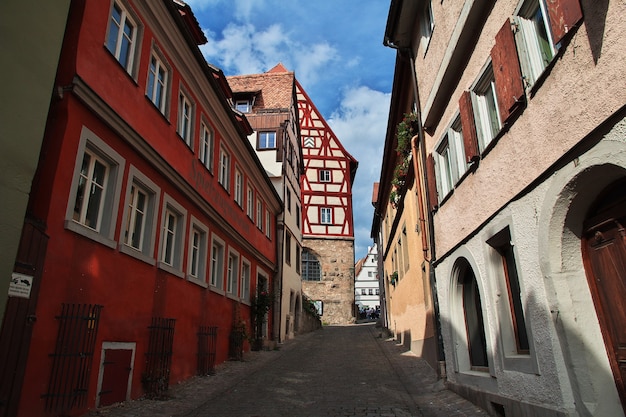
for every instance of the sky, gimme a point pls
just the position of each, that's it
(335, 49)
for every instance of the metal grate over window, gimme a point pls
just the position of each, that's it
(207, 349)
(156, 377)
(72, 357)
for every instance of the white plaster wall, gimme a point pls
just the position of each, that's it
(571, 371)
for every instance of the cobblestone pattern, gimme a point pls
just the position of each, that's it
(338, 371)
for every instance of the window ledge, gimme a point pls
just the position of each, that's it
(217, 290)
(130, 251)
(90, 233)
(170, 269)
(197, 281)
(232, 296)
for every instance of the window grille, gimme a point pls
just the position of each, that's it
(207, 349)
(156, 377)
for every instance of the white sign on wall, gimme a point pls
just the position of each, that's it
(20, 285)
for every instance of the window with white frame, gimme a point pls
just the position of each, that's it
(267, 140)
(243, 106)
(297, 215)
(268, 224)
(326, 215)
(245, 280)
(288, 247)
(259, 214)
(185, 117)
(427, 25)
(232, 275)
(534, 40)
(139, 216)
(450, 159)
(198, 241)
(206, 146)
(158, 82)
(173, 223)
(217, 263)
(250, 202)
(122, 36)
(224, 173)
(238, 187)
(485, 105)
(324, 175)
(298, 258)
(95, 190)
(288, 198)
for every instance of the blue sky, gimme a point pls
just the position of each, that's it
(335, 48)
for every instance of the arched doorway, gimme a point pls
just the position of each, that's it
(604, 257)
(474, 323)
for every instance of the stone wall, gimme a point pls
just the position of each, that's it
(336, 289)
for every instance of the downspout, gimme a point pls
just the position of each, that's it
(415, 142)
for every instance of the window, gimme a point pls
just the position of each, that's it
(245, 280)
(267, 140)
(534, 42)
(485, 107)
(427, 24)
(95, 190)
(297, 215)
(198, 241)
(243, 106)
(122, 37)
(501, 243)
(232, 275)
(311, 270)
(326, 215)
(298, 258)
(474, 324)
(377, 291)
(370, 291)
(250, 202)
(363, 292)
(268, 224)
(238, 187)
(217, 263)
(450, 159)
(224, 173)
(185, 118)
(288, 248)
(288, 198)
(172, 230)
(157, 82)
(206, 146)
(259, 214)
(324, 175)
(139, 216)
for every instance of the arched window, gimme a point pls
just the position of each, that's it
(311, 270)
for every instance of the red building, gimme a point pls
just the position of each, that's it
(138, 262)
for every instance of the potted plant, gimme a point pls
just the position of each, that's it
(393, 278)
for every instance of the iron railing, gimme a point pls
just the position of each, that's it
(156, 377)
(207, 349)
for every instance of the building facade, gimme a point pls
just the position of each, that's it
(327, 222)
(269, 102)
(526, 170)
(366, 282)
(138, 264)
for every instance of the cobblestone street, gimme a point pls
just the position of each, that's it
(337, 371)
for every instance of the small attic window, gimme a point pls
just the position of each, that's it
(244, 106)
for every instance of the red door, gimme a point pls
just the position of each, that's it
(117, 366)
(604, 254)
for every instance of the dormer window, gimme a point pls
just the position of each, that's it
(244, 106)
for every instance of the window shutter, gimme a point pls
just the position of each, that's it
(506, 72)
(468, 126)
(564, 15)
(433, 199)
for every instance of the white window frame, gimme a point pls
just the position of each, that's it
(244, 286)
(174, 262)
(268, 224)
(127, 19)
(238, 187)
(197, 253)
(485, 107)
(267, 140)
(154, 84)
(450, 163)
(185, 117)
(232, 273)
(528, 40)
(206, 145)
(145, 251)
(218, 251)
(259, 214)
(326, 215)
(250, 201)
(325, 175)
(224, 171)
(104, 231)
(427, 26)
(243, 106)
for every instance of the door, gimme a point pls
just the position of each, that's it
(604, 255)
(116, 369)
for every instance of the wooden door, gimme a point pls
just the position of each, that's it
(117, 367)
(604, 255)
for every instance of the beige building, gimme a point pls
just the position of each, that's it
(524, 136)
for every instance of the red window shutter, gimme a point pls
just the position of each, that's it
(470, 139)
(433, 200)
(564, 15)
(506, 72)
